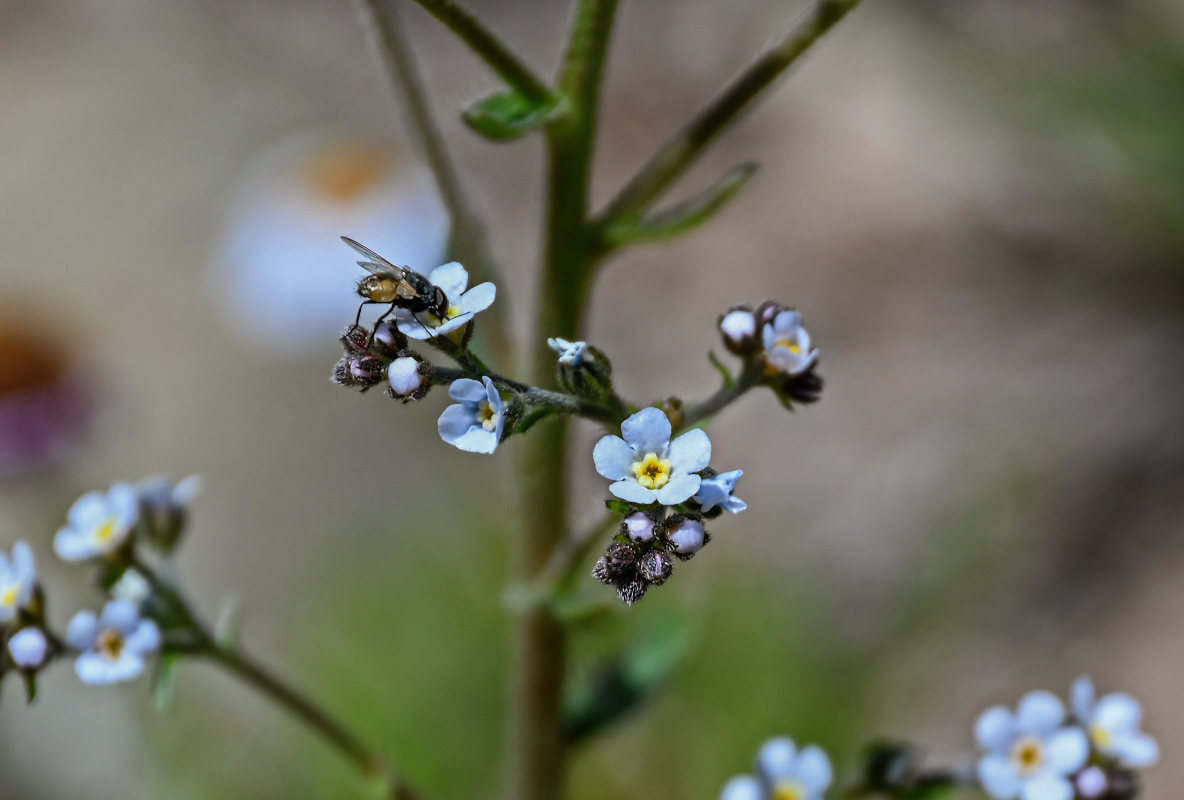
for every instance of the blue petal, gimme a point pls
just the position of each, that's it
(777, 759)
(613, 457)
(743, 787)
(477, 440)
(647, 431)
(493, 395)
(679, 489)
(1040, 712)
(633, 492)
(998, 778)
(690, 452)
(82, 629)
(455, 422)
(467, 390)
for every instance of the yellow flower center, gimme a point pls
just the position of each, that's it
(105, 531)
(8, 596)
(788, 790)
(1028, 755)
(652, 472)
(1103, 738)
(488, 416)
(791, 346)
(110, 643)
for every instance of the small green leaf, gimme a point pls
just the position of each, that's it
(164, 683)
(30, 679)
(722, 368)
(506, 116)
(617, 506)
(684, 217)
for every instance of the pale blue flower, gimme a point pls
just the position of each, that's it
(783, 773)
(113, 645)
(476, 422)
(787, 344)
(646, 465)
(571, 354)
(717, 491)
(1030, 754)
(28, 648)
(98, 523)
(162, 495)
(18, 575)
(1113, 725)
(462, 304)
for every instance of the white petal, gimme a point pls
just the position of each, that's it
(455, 422)
(188, 489)
(613, 457)
(777, 759)
(998, 778)
(814, 770)
(145, 638)
(415, 328)
(22, 562)
(1040, 713)
(633, 492)
(647, 431)
(743, 787)
(1136, 749)
(1067, 750)
(28, 648)
(403, 376)
(734, 505)
(690, 452)
(451, 324)
(72, 544)
(467, 390)
(99, 670)
(1048, 787)
(452, 278)
(1118, 713)
(122, 615)
(680, 488)
(738, 325)
(88, 509)
(477, 440)
(479, 298)
(124, 502)
(82, 629)
(1082, 699)
(786, 322)
(995, 729)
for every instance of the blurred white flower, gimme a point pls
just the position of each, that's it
(787, 344)
(17, 578)
(1113, 725)
(132, 586)
(783, 773)
(98, 523)
(279, 270)
(112, 645)
(1030, 754)
(28, 648)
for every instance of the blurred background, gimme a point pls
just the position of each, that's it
(977, 204)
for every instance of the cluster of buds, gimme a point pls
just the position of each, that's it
(643, 552)
(774, 341)
(370, 358)
(27, 647)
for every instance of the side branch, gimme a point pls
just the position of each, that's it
(680, 151)
(485, 43)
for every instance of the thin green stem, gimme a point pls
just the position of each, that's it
(679, 152)
(468, 233)
(724, 396)
(486, 44)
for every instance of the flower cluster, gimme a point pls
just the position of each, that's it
(668, 491)
(783, 772)
(22, 621)
(773, 340)
(1043, 752)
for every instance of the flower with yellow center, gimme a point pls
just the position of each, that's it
(783, 773)
(1113, 723)
(98, 523)
(475, 424)
(787, 345)
(113, 645)
(18, 576)
(1030, 753)
(646, 465)
(463, 304)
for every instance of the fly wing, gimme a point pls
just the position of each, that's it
(375, 263)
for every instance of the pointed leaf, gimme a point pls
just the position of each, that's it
(506, 116)
(164, 683)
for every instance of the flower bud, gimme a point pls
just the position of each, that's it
(656, 566)
(1091, 783)
(28, 648)
(638, 526)
(388, 339)
(632, 591)
(803, 388)
(355, 339)
(409, 377)
(767, 311)
(583, 369)
(687, 536)
(738, 328)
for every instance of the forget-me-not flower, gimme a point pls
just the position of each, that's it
(1030, 754)
(571, 354)
(717, 491)
(1113, 725)
(462, 304)
(476, 422)
(17, 578)
(787, 344)
(98, 523)
(113, 644)
(28, 648)
(783, 773)
(646, 465)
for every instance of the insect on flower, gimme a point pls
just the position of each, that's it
(399, 286)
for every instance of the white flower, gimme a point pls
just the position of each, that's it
(787, 345)
(452, 278)
(132, 586)
(113, 645)
(1113, 725)
(1029, 753)
(646, 465)
(738, 328)
(17, 578)
(783, 773)
(571, 354)
(474, 424)
(98, 523)
(405, 377)
(717, 491)
(28, 647)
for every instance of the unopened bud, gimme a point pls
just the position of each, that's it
(687, 536)
(656, 566)
(632, 591)
(388, 339)
(28, 648)
(356, 339)
(738, 328)
(409, 377)
(638, 526)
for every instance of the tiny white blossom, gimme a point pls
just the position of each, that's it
(404, 376)
(98, 523)
(463, 304)
(646, 465)
(1030, 754)
(717, 491)
(132, 586)
(113, 645)
(18, 576)
(1113, 725)
(571, 354)
(787, 344)
(28, 648)
(783, 773)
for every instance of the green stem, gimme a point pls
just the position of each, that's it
(724, 396)
(468, 234)
(486, 44)
(681, 150)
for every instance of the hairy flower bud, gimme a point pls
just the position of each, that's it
(638, 526)
(738, 327)
(409, 376)
(656, 566)
(389, 341)
(355, 339)
(803, 388)
(632, 591)
(686, 536)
